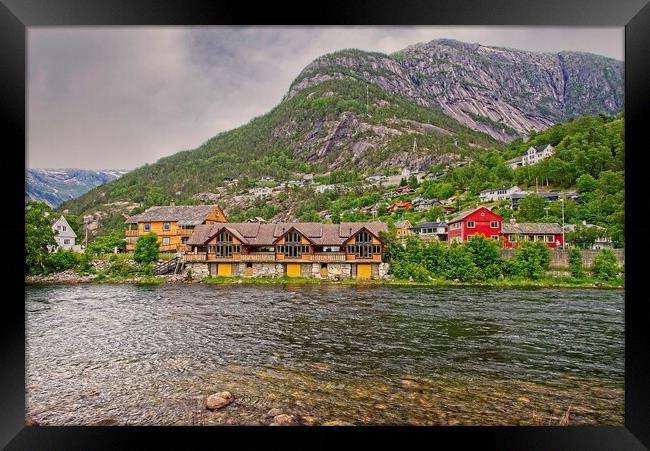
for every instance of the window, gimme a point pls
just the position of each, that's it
(63, 228)
(165, 241)
(495, 237)
(66, 241)
(513, 238)
(166, 226)
(471, 224)
(494, 224)
(549, 238)
(539, 237)
(224, 245)
(147, 227)
(293, 247)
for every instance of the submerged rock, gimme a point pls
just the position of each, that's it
(219, 400)
(337, 423)
(274, 412)
(409, 384)
(284, 420)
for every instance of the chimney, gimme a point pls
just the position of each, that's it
(513, 220)
(172, 203)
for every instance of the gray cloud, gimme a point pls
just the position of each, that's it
(111, 97)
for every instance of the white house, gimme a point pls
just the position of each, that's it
(64, 235)
(491, 195)
(532, 156)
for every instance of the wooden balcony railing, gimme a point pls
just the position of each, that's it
(131, 233)
(259, 257)
(329, 257)
(200, 257)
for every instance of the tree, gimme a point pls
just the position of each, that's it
(605, 265)
(413, 182)
(485, 255)
(105, 244)
(575, 262)
(584, 237)
(586, 184)
(531, 259)
(146, 249)
(402, 182)
(38, 236)
(459, 263)
(531, 208)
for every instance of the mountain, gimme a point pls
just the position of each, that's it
(431, 104)
(54, 186)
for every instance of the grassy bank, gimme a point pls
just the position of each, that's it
(547, 282)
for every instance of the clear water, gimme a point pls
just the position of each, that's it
(127, 354)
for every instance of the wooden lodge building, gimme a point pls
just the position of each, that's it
(287, 249)
(173, 224)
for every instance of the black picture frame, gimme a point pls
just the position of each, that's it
(634, 15)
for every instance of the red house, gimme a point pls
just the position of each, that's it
(549, 233)
(471, 222)
(406, 205)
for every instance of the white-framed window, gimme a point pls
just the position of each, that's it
(166, 226)
(512, 238)
(66, 241)
(495, 237)
(494, 224)
(63, 228)
(471, 224)
(146, 227)
(539, 237)
(549, 238)
(165, 241)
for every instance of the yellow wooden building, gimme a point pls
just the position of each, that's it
(173, 224)
(403, 228)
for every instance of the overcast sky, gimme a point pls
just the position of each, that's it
(119, 97)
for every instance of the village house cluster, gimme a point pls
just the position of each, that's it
(483, 221)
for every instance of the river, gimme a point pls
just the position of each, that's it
(145, 355)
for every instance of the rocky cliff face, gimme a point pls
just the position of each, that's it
(503, 92)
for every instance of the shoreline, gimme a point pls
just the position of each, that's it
(507, 283)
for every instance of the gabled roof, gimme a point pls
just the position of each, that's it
(184, 214)
(261, 234)
(531, 228)
(403, 223)
(463, 214)
(69, 233)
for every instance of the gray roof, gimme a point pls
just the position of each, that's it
(540, 194)
(429, 224)
(189, 215)
(531, 228)
(515, 159)
(261, 234)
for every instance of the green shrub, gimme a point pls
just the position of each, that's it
(105, 244)
(605, 265)
(486, 256)
(146, 249)
(410, 271)
(575, 262)
(531, 260)
(459, 263)
(61, 260)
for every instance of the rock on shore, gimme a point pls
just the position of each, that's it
(219, 400)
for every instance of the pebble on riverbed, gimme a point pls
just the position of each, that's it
(219, 400)
(284, 420)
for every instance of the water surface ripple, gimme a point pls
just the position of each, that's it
(127, 354)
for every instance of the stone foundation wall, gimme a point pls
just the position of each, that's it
(335, 271)
(560, 257)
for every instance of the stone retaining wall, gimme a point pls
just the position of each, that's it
(560, 257)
